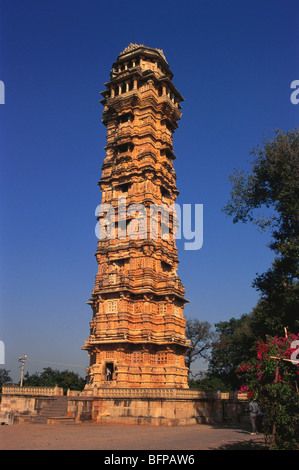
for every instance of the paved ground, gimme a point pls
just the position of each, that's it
(92, 436)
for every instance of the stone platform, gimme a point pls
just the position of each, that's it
(159, 407)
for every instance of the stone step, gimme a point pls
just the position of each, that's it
(62, 420)
(57, 409)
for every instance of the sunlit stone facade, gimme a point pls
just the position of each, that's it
(137, 332)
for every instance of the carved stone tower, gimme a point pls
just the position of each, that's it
(137, 333)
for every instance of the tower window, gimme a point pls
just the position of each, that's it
(125, 118)
(164, 192)
(166, 268)
(124, 188)
(162, 308)
(165, 234)
(109, 371)
(169, 154)
(112, 306)
(112, 278)
(168, 125)
(123, 148)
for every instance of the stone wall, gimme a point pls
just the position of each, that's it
(13, 389)
(21, 403)
(160, 407)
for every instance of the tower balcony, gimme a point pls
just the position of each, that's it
(124, 335)
(142, 281)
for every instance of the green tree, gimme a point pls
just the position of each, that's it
(272, 186)
(209, 382)
(201, 337)
(50, 378)
(236, 340)
(4, 377)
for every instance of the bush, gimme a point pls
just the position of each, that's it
(272, 380)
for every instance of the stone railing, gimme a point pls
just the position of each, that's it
(160, 393)
(242, 396)
(73, 393)
(32, 391)
(229, 395)
(169, 393)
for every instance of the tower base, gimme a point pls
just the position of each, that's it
(157, 407)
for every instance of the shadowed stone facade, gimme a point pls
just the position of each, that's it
(137, 332)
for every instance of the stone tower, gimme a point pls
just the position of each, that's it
(137, 333)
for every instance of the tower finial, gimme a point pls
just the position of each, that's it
(131, 47)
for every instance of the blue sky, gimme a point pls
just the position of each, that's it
(233, 62)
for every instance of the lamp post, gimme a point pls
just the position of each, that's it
(22, 360)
